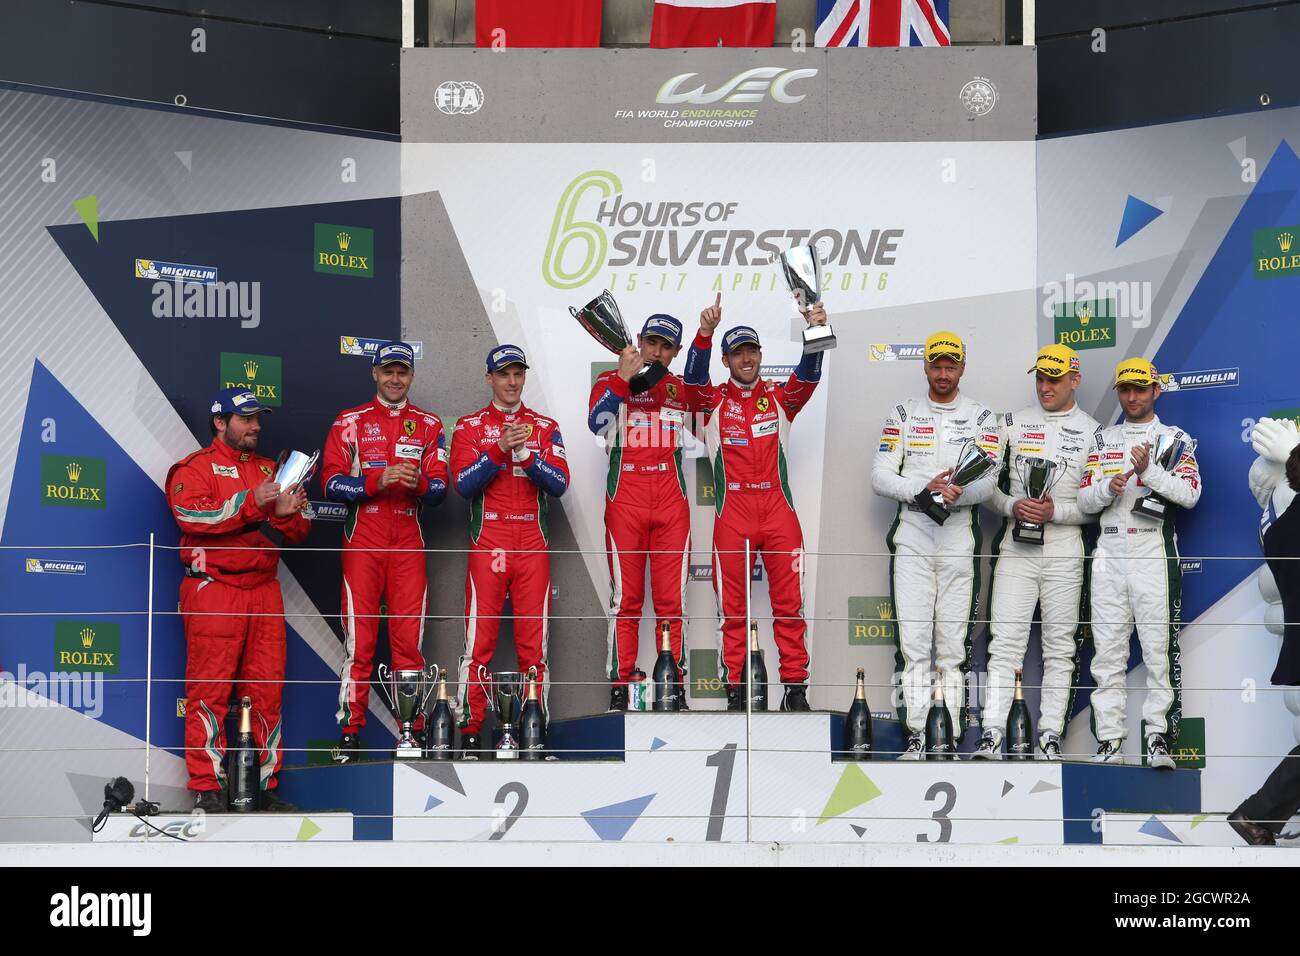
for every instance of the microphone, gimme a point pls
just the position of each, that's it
(118, 792)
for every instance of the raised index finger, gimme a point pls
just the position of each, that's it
(717, 303)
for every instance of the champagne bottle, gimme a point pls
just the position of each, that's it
(1020, 729)
(939, 744)
(532, 725)
(857, 724)
(245, 766)
(757, 671)
(668, 688)
(439, 725)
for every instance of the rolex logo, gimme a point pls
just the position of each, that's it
(885, 610)
(1284, 241)
(250, 369)
(1084, 315)
(74, 471)
(345, 240)
(87, 637)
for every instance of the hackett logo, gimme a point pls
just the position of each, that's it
(87, 646)
(73, 482)
(344, 250)
(260, 374)
(1276, 253)
(1086, 324)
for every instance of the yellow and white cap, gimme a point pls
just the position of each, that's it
(945, 345)
(1135, 371)
(1055, 361)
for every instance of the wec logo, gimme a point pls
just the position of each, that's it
(752, 86)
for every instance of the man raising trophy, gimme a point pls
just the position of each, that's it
(746, 427)
(647, 513)
(1046, 449)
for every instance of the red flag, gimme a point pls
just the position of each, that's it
(680, 23)
(538, 23)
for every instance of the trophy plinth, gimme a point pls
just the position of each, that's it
(818, 338)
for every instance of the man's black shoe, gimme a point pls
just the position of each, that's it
(735, 698)
(348, 750)
(796, 698)
(1250, 831)
(211, 801)
(618, 698)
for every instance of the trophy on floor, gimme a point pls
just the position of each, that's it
(407, 692)
(602, 319)
(505, 696)
(1166, 451)
(972, 464)
(803, 274)
(1038, 476)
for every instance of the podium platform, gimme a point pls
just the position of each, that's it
(650, 777)
(227, 828)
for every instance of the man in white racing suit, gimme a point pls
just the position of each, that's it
(934, 568)
(1049, 574)
(1136, 577)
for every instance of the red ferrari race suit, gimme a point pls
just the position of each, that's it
(747, 429)
(508, 534)
(230, 604)
(382, 541)
(646, 509)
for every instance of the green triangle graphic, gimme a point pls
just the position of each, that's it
(853, 790)
(88, 209)
(1010, 840)
(1199, 819)
(307, 830)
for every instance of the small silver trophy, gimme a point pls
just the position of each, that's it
(1166, 451)
(407, 692)
(972, 464)
(1038, 476)
(294, 468)
(505, 695)
(803, 274)
(603, 320)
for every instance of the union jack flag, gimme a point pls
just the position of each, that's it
(882, 23)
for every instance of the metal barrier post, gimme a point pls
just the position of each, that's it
(148, 676)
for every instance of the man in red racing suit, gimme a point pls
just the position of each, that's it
(223, 497)
(387, 461)
(508, 461)
(746, 429)
(647, 513)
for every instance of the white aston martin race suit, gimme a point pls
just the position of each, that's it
(1136, 577)
(934, 569)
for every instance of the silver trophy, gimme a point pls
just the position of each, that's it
(1166, 451)
(803, 274)
(294, 468)
(972, 465)
(603, 320)
(505, 692)
(407, 692)
(1038, 476)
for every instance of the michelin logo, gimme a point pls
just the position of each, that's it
(169, 271)
(1207, 378)
(1189, 565)
(895, 352)
(42, 566)
(329, 511)
(358, 346)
